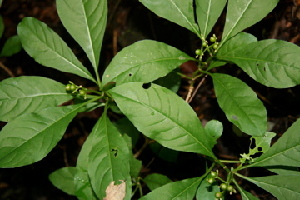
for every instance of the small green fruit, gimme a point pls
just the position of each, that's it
(224, 186)
(198, 52)
(218, 195)
(204, 44)
(215, 46)
(213, 39)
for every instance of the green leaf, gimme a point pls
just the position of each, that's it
(177, 11)
(247, 195)
(181, 190)
(262, 143)
(48, 49)
(280, 186)
(164, 153)
(244, 13)
(285, 151)
(26, 94)
(240, 104)
(85, 20)
(208, 12)
(163, 116)
(135, 167)
(84, 190)
(284, 170)
(235, 44)
(126, 127)
(214, 130)
(108, 159)
(207, 191)
(30, 137)
(143, 61)
(64, 179)
(11, 46)
(273, 63)
(171, 81)
(155, 180)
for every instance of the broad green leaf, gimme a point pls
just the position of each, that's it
(273, 63)
(135, 167)
(155, 180)
(284, 170)
(207, 191)
(30, 137)
(247, 195)
(286, 151)
(108, 159)
(235, 44)
(85, 20)
(208, 12)
(11, 46)
(28, 94)
(281, 186)
(244, 13)
(143, 61)
(63, 179)
(171, 81)
(180, 190)
(161, 115)
(262, 143)
(48, 49)
(213, 130)
(177, 11)
(84, 190)
(240, 104)
(126, 127)
(164, 153)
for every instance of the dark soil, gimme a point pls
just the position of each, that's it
(129, 21)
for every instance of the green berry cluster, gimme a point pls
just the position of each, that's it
(224, 186)
(76, 90)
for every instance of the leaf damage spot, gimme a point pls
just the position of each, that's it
(115, 152)
(146, 85)
(115, 192)
(234, 117)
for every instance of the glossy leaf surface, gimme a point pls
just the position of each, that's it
(284, 152)
(144, 61)
(28, 94)
(30, 137)
(161, 115)
(48, 49)
(244, 13)
(207, 191)
(85, 20)
(108, 159)
(185, 189)
(273, 63)
(64, 179)
(177, 11)
(283, 187)
(208, 12)
(240, 104)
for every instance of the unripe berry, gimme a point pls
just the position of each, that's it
(198, 52)
(224, 186)
(204, 44)
(218, 195)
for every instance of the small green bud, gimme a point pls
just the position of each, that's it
(214, 174)
(204, 44)
(215, 46)
(210, 180)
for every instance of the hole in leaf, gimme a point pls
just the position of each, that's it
(264, 69)
(257, 64)
(130, 74)
(259, 148)
(146, 85)
(115, 152)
